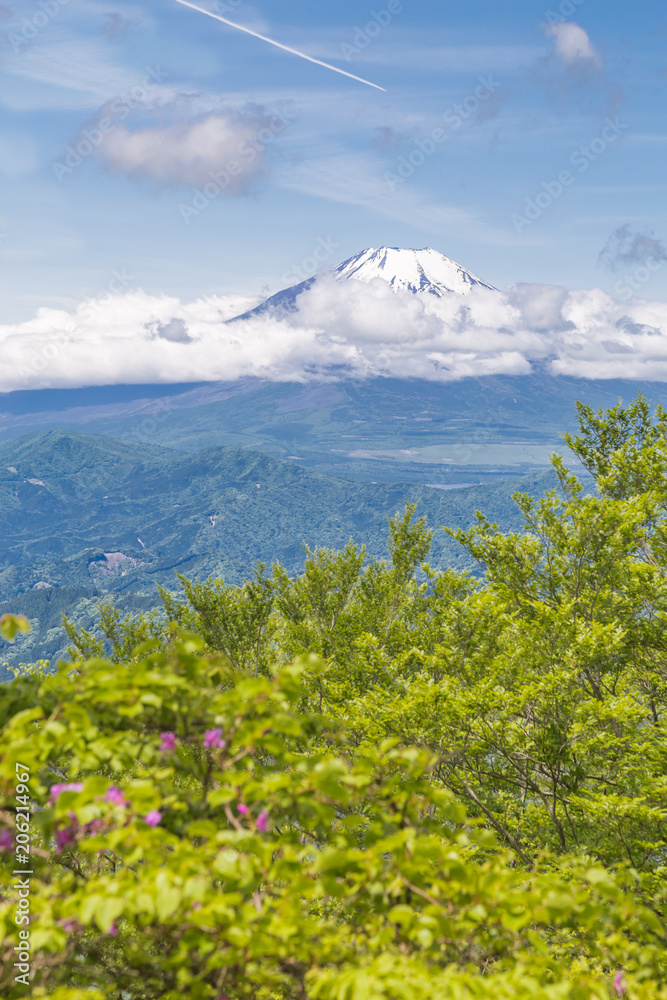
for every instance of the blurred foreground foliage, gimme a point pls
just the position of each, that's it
(374, 780)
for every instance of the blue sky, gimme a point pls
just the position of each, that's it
(329, 152)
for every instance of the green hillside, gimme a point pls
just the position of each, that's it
(92, 514)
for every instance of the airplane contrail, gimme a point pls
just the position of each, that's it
(279, 45)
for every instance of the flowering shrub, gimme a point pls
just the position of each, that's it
(274, 863)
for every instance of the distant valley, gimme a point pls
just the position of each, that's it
(379, 430)
(89, 514)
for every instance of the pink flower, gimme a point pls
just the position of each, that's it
(6, 840)
(619, 983)
(69, 925)
(65, 837)
(213, 738)
(116, 797)
(263, 821)
(242, 809)
(153, 818)
(168, 741)
(196, 906)
(113, 930)
(57, 790)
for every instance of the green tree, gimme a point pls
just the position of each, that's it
(189, 836)
(496, 816)
(541, 687)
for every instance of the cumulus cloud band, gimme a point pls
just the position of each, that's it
(360, 330)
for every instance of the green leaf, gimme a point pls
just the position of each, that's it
(11, 625)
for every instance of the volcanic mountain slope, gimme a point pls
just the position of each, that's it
(390, 430)
(423, 272)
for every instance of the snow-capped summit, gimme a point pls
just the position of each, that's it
(411, 271)
(419, 271)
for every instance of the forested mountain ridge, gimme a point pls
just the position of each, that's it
(68, 499)
(91, 514)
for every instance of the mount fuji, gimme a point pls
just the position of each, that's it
(422, 272)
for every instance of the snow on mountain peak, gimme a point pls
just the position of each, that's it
(418, 271)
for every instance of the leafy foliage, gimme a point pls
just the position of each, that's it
(11, 625)
(374, 779)
(259, 864)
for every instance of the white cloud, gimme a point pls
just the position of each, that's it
(572, 44)
(365, 331)
(190, 152)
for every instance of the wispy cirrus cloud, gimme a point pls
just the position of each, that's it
(67, 74)
(359, 180)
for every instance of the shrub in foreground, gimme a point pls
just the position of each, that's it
(190, 836)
